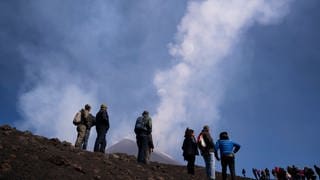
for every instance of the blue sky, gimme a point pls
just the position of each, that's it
(251, 69)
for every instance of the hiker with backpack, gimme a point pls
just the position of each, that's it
(143, 129)
(206, 145)
(227, 150)
(190, 149)
(102, 127)
(80, 120)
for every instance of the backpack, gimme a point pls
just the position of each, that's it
(201, 142)
(141, 125)
(77, 118)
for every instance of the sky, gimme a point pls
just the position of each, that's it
(246, 67)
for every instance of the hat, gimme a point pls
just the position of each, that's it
(103, 106)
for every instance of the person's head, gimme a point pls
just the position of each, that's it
(188, 132)
(103, 107)
(145, 113)
(224, 135)
(87, 107)
(206, 128)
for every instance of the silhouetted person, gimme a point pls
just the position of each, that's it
(267, 173)
(254, 171)
(102, 127)
(227, 149)
(317, 170)
(309, 174)
(243, 172)
(190, 149)
(143, 129)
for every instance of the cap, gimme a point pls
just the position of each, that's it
(103, 106)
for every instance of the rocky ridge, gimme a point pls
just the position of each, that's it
(27, 156)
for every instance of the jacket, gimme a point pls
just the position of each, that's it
(190, 147)
(227, 147)
(102, 119)
(209, 143)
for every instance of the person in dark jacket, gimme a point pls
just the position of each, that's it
(143, 130)
(102, 127)
(190, 149)
(81, 126)
(208, 151)
(227, 150)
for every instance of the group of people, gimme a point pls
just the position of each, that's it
(292, 172)
(209, 151)
(84, 121)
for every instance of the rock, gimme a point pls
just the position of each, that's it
(115, 156)
(54, 141)
(97, 177)
(6, 133)
(59, 160)
(6, 128)
(27, 132)
(78, 168)
(13, 156)
(67, 144)
(5, 167)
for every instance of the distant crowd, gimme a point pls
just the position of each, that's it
(204, 142)
(291, 173)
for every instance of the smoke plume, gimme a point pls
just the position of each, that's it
(192, 90)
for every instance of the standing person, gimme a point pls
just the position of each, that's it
(227, 150)
(190, 149)
(80, 120)
(102, 127)
(267, 173)
(143, 129)
(243, 172)
(91, 121)
(207, 148)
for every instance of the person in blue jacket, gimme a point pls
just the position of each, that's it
(227, 150)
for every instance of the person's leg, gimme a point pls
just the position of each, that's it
(191, 164)
(206, 159)
(85, 141)
(139, 144)
(98, 140)
(81, 133)
(103, 141)
(232, 167)
(212, 166)
(145, 149)
(224, 167)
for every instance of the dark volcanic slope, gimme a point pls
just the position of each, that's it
(27, 156)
